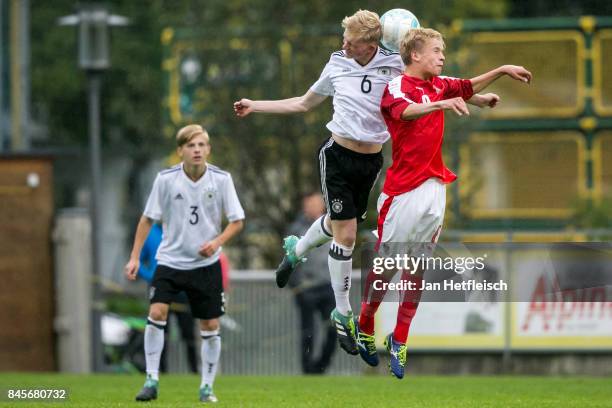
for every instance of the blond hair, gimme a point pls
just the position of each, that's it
(414, 41)
(364, 25)
(187, 133)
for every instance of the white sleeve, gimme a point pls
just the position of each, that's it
(153, 209)
(324, 86)
(231, 205)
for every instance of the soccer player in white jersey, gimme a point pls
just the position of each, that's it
(412, 205)
(190, 199)
(350, 161)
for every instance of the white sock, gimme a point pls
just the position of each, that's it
(153, 345)
(316, 236)
(340, 263)
(210, 352)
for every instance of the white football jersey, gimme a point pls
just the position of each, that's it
(191, 213)
(357, 91)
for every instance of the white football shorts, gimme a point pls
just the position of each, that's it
(412, 217)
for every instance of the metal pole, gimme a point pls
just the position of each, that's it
(2, 62)
(19, 62)
(93, 80)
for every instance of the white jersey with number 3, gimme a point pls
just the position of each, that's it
(357, 91)
(191, 212)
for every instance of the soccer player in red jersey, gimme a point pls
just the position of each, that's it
(411, 206)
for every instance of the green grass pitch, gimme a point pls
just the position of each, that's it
(310, 391)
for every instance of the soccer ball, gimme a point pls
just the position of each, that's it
(395, 24)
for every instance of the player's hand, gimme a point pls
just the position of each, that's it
(209, 248)
(457, 105)
(243, 107)
(517, 72)
(491, 100)
(131, 269)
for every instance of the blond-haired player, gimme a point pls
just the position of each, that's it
(190, 199)
(349, 161)
(412, 205)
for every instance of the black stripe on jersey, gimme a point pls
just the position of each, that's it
(171, 169)
(386, 52)
(338, 53)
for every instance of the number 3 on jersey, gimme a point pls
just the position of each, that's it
(366, 85)
(194, 218)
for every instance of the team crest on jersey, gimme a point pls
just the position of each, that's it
(336, 205)
(438, 90)
(151, 292)
(209, 193)
(384, 71)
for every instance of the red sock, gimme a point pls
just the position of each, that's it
(370, 301)
(366, 317)
(407, 308)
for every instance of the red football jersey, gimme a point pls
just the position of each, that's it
(417, 143)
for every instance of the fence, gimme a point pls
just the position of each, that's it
(265, 336)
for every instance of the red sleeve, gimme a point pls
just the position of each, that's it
(394, 104)
(455, 87)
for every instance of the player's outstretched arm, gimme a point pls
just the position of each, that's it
(209, 248)
(298, 104)
(142, 231)
(415, 110)
(482, 101)
(513, 71)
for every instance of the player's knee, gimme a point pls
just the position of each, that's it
(345, 238)
(209, 325)
(158, 313)
(345, 232)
